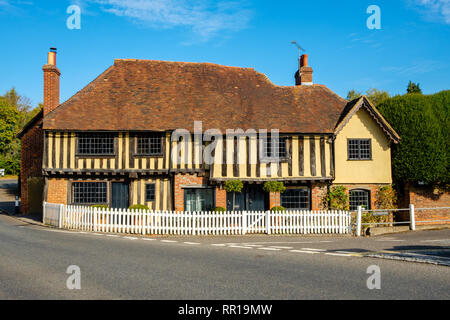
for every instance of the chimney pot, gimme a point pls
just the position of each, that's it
(304, 75)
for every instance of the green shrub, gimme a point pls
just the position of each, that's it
(100, 206)
(220, 209)
(138, 207)
(278, 209)
(385, 198)
(338, 198)
(234, 186)
(422, 121)
(274, 186)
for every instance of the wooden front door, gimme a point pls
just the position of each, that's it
(119, 195)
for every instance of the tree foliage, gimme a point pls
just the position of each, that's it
(422, 121)
(413, 88)
(374, 95)
(15, 113)
(274, 186)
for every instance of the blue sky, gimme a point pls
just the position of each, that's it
(412, 44)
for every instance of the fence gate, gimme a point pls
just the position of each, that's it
(254, 222)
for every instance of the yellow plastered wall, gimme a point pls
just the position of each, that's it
(377, 170)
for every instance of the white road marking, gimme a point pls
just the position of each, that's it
(276, 247)
(168, 241)
(303, 251)
(130, 238)
(252, 245)
(97, 234)
(112, 235)
(147, 239)
(241, 247)
(437, 240)
(389, 240)
(191, 243)
(218, 244)
(337, 254)
(269, 249)
(324, 241)
(312, 249)
(347, 252)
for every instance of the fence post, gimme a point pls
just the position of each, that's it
(43, 211)
(358, 221)
(412, 217)
(61, 216)
(268, 222)
(244, 222)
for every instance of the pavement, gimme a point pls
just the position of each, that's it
(34, 261)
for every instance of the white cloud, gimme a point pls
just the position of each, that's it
(206, 18)
(435, 9)
(419, 67)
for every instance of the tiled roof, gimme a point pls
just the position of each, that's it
(159, 96)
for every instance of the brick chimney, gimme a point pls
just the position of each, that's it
(51, 83)
(304, 77)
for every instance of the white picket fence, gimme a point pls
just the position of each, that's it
(203, 223)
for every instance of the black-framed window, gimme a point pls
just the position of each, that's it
(275, 147)
(150, 192)
(95, 144)
(359, 149)
(359, 197)
(149, 144)
(296, 199)
(89, 192)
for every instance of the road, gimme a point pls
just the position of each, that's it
(8, 191)
(34, 260)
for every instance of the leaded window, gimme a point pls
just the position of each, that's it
(359, 149)
(89, 192)
(150, 192)
(95, 144)
(149, 144)
(296, 199)
(274, 148)
(359, 198)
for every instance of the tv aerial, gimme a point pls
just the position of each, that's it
(300, 49)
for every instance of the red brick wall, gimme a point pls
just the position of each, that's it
(318, 193)
(274, 199)
(185, 179)
(221, 198)
(30, 161)
(424, 197)
(51, 88)
(57, 190)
